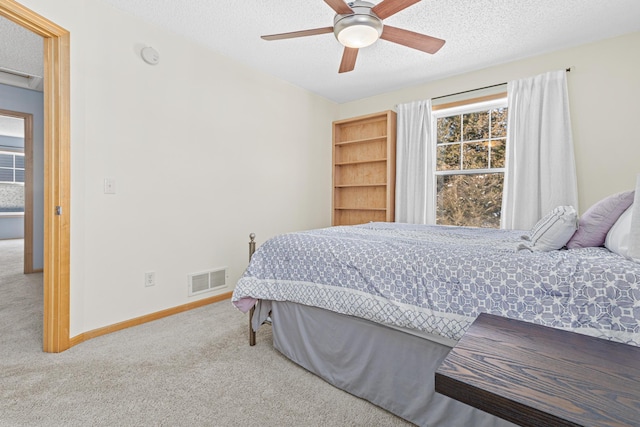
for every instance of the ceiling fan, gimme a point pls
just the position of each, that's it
(358, 24)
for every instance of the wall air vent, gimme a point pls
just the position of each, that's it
(207, 281)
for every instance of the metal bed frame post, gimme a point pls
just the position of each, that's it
(252, 333)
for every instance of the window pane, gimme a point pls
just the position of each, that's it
(6, 160)
(476, 126)
(475, 155)
(20, 162)
(6, 175)
(469, 200)
(499, 122)
(449, 129)
(498, 148)
(19, 175)
(448, 157)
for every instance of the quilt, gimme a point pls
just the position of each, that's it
(438, 279)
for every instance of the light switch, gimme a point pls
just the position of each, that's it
(109, 186)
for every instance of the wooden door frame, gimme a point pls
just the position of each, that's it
(57, 182)
(27, 120)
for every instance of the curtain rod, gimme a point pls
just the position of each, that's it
(480, 88)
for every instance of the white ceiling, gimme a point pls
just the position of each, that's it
(21, 49)
(479, 33)
(21, 57)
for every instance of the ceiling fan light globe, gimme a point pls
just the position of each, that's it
(357, 36)
(360, 29)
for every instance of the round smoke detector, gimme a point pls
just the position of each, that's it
(150, 55)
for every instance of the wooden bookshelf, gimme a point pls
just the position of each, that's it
(364, 164)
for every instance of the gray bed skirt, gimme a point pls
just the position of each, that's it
(390, 368)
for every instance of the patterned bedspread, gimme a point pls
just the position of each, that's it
(437, 279)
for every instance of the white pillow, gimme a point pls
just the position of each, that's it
(554, 230)
(634, 234)
(624, 236)
(618, 236)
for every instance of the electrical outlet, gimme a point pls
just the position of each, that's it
(150, 278)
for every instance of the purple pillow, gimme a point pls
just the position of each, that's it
(598, 219)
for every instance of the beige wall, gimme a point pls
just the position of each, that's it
(203, 151)
(604, 89)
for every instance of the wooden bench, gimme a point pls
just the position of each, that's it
(534, 375)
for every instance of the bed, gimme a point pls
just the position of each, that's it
(374, 308)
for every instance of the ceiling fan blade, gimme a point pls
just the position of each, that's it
(390, 7)
(339, 6)
(348, 60)
(295, 34)
(413, 40)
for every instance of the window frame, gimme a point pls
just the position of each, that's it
(477, 104)
(14, 168)
(14, 152)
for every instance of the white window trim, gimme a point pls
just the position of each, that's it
(461, 109)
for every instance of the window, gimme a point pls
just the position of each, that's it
(11, 167)
(11, 183)
(470, 161)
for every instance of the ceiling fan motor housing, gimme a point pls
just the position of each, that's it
(360, 28)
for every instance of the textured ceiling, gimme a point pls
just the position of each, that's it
(479, 33)
(21, 49)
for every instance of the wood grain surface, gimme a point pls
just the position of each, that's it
(534, 375)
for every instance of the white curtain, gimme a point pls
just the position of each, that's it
(540, 167)
(414, 164)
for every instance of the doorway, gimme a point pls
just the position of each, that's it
(27, 150)
(57, 183)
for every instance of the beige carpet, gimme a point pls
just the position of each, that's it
(191, 369)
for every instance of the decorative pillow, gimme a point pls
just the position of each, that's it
(618, 237)
(554, 230)
(598, 219)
